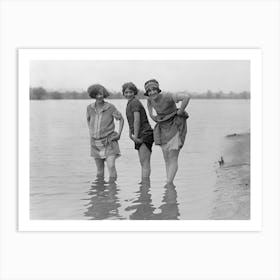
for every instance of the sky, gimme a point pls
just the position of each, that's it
(182, 75)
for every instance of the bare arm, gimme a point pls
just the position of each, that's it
(185, 101)
(88, 118)
(121, 122)
(150, 110)
(130, 135)
(136, 126)
(119, 118)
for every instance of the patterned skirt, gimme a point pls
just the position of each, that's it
(102, 148)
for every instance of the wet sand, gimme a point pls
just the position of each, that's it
(232, 190)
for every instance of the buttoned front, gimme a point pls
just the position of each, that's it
(101, 122)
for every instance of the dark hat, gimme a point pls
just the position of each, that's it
(151, 84)
(95, 89)
(131, 86)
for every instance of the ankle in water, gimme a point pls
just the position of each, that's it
(112, 179)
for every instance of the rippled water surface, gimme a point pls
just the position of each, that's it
(64, 185)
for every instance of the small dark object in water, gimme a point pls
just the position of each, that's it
(232, 135)
(221, 161)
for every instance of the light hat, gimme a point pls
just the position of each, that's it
(151, 84)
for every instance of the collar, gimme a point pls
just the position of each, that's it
(131, 99)
(105, 107)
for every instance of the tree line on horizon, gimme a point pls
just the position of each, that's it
(40, 93)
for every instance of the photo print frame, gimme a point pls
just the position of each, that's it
(218, 163)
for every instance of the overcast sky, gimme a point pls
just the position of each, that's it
(192, 76)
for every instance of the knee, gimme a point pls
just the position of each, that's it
(145, 162)
(142, 161)
(174, 161)
(100, 166)
(111, 165)
(174, 156)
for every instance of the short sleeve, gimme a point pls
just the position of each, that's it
(116, 114)
(175, 97)
(87, 113)
(135, 106)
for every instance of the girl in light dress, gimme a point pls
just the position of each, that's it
(171, 124)
(103, 137)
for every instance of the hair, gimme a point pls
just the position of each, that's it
(130, 86)
(93, 90)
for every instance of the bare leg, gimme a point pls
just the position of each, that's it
(173, 165)
(111, 167)
(145, 160)
(100, 167)
(165, 156)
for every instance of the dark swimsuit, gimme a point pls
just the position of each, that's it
(145, 131)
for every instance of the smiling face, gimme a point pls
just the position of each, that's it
(152, 92)
(99, 96)
(128, 93)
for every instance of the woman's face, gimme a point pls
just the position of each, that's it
(128, 93)
(99, 96)
(153, 92)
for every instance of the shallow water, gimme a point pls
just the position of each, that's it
(62, 176)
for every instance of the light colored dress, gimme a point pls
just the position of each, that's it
(170, 129)
(101, 129)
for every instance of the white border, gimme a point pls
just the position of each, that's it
(24, 58)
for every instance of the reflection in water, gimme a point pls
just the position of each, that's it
(142, 204)
(144, 209)
(169, 208)
(104, 202)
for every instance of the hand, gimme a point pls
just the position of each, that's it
(131, 137)
(154, 118)
(115, 137)
(137, 140)
(180, 112)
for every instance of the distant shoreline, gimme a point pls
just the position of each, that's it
(42, 94)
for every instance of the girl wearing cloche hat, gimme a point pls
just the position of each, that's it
(103, 137)
(171, 124)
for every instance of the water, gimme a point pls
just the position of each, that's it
(62, 175)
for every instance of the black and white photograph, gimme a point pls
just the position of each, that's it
(139, 139)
